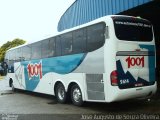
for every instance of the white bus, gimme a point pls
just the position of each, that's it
(109, 59)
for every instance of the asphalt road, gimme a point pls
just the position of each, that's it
(24, 105)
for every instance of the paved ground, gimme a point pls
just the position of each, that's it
(4, 84)
(30, 106)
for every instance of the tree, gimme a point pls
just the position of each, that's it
(8, 45)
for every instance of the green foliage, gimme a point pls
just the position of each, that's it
(8, 45)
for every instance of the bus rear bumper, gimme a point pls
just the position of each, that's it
(132, 93)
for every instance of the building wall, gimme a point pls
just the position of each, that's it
(83, 11)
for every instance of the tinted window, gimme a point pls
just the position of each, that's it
(6, 57)
(36, 50)
(26, 52)
(58, 46)
(18, 55)
(66, 43)
(79, 41)
(132, 29)
(12, 56)
(95, 36)
(52, 47)
(48, 48)
(45, 48)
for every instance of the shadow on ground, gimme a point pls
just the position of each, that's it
(131, 106)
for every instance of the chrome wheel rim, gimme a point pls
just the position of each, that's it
(77, 95)
(61, 93)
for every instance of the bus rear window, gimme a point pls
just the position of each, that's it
(133, 29)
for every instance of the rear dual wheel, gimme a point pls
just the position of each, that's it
(60, 93)
(75, 94)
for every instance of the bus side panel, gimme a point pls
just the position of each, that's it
(93, 67)
(41, 75)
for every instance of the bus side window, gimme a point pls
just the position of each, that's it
(95, 36)
(12, 56)
(45, 50)
(67, 43)
(6, 58)
(36, 50)
(79, 41)
(26, 52)
(48, 48)
(52, 47)
(18, 55)
(58, 46)
(12, 60)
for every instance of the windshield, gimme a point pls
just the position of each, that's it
(132, 29)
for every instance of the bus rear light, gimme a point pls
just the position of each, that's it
(114, 78)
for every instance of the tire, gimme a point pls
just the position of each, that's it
(60, 93)
(10, 83)
(76, 95)
(13, 88)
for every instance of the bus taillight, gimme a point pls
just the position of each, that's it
(114, 78)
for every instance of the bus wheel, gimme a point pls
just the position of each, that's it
(10, 82)
(60, 93)
(11, 85)
(76, 95)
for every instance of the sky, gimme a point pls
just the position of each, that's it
(30, 20)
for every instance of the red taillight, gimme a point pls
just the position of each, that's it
(114, 78)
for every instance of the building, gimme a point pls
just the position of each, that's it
(83, 11)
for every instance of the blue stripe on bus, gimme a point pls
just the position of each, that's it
(151, 61)
(59, 65)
